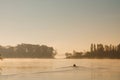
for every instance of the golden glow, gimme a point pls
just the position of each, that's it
(59, 24)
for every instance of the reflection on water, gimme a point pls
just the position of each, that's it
(0, 70)
(59, 69)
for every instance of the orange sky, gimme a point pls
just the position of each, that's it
(66, 25)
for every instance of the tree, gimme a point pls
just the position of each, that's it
(28, 51)
(92, 48)
(68, 55)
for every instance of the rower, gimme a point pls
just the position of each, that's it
(74, 65)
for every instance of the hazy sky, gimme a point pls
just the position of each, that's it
(66, 25)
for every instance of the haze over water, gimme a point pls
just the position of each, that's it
(59, 69)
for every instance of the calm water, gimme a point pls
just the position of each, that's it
(59, 69)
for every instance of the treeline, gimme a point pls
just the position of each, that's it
(98, 51)
(27, 51)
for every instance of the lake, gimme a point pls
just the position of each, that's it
(60, 69)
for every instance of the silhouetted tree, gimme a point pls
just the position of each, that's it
(98, 51)
(92, 48)
(28, 51)
(68, 55)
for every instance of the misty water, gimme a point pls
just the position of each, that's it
(59, 69)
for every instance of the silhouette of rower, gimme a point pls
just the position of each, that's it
(74, 65)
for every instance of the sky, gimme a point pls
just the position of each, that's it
(66, 25)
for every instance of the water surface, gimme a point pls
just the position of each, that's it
(60, 69)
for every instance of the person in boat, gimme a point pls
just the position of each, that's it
(74, 65)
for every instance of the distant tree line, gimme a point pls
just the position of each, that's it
(27, 51)
(98, 51)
